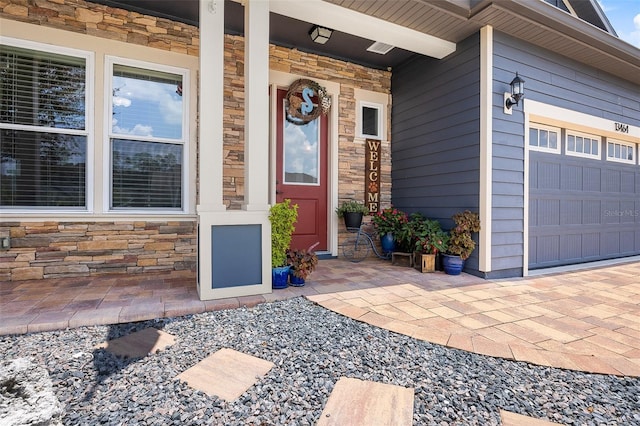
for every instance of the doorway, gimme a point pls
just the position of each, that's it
(301, 174)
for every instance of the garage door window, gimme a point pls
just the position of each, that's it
(583, 145)
(621, 152)
(544, 138)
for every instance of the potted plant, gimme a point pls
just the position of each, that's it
(461, 243)
(282, 217)
(389, 222)
(302, 262)
(352, 212)
(430, 240)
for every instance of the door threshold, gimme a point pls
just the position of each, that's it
(323, 255)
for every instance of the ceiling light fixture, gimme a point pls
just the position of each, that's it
(320, 35)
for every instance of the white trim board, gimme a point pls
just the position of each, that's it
(343, 19)
(486, 148)
(566, 118)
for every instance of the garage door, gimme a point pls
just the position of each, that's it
(582, 209)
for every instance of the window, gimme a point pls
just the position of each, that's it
(370, 120)
(147, 136)
(623, 152)
(583, 145)
(43, 127)
(544, 138)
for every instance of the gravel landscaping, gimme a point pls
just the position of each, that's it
(311, 348)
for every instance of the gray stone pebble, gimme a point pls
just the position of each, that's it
(311, 349)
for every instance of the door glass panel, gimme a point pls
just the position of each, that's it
(301, 153)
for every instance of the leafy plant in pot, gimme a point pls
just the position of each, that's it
(430, 240)
(389, 224)
(282, 216)
(352, 212)
(303, 263)
(461, 243)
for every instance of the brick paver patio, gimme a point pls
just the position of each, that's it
(587, 320)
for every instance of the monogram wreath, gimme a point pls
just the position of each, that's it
(295, 103)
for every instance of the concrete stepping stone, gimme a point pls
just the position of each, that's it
(357, 402)
(226, 374)
(139, 344)
(512, 419)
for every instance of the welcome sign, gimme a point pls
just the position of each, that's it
(372, 175)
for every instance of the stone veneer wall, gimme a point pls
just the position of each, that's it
(351, 160)
(64, 249)
(132, 27)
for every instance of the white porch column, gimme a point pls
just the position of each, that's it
(256, 101)
(234, 250)
(210, 121)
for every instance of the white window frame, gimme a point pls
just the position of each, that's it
(360, 116)
(109, 62)
(582, 154)
(634, 149)
(88, 131)
(537, 126)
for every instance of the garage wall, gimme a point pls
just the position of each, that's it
(552, 79)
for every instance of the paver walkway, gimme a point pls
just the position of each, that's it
(587, 320)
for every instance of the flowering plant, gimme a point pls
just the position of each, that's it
(389, 220)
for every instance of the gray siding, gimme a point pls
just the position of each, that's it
(552, 79)
(435, 133)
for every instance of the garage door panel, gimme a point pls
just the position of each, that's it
(628, 185)
(572, 178)
(592, 179)
(533, 250)
(571, 212)
(548, 176)
(592, 212)
(571, 247)
(612, 242)
(548, 212)
(548, 248)
(612, 180)
(590, 245)
(533, 213)
(611, 212)
(627, 242)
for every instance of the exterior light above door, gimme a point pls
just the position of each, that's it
(320, 35)
(517, 93)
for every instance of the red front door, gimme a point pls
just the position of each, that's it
(301, 175)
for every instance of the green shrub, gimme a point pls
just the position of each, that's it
(282, 217)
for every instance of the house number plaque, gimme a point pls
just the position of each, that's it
(372, 175)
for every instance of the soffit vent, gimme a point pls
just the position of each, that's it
(379, 47)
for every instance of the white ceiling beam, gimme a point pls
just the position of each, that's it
(359, 24)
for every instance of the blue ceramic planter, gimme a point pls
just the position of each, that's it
(295, 281)
(452, 265)
(279, 277)
(387, 242)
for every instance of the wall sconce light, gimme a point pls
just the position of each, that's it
(517, 93)
(320, 35)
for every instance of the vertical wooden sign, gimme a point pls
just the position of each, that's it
(372, 175)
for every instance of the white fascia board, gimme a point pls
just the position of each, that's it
(351, 22)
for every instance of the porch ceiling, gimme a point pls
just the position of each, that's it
(536, 22)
